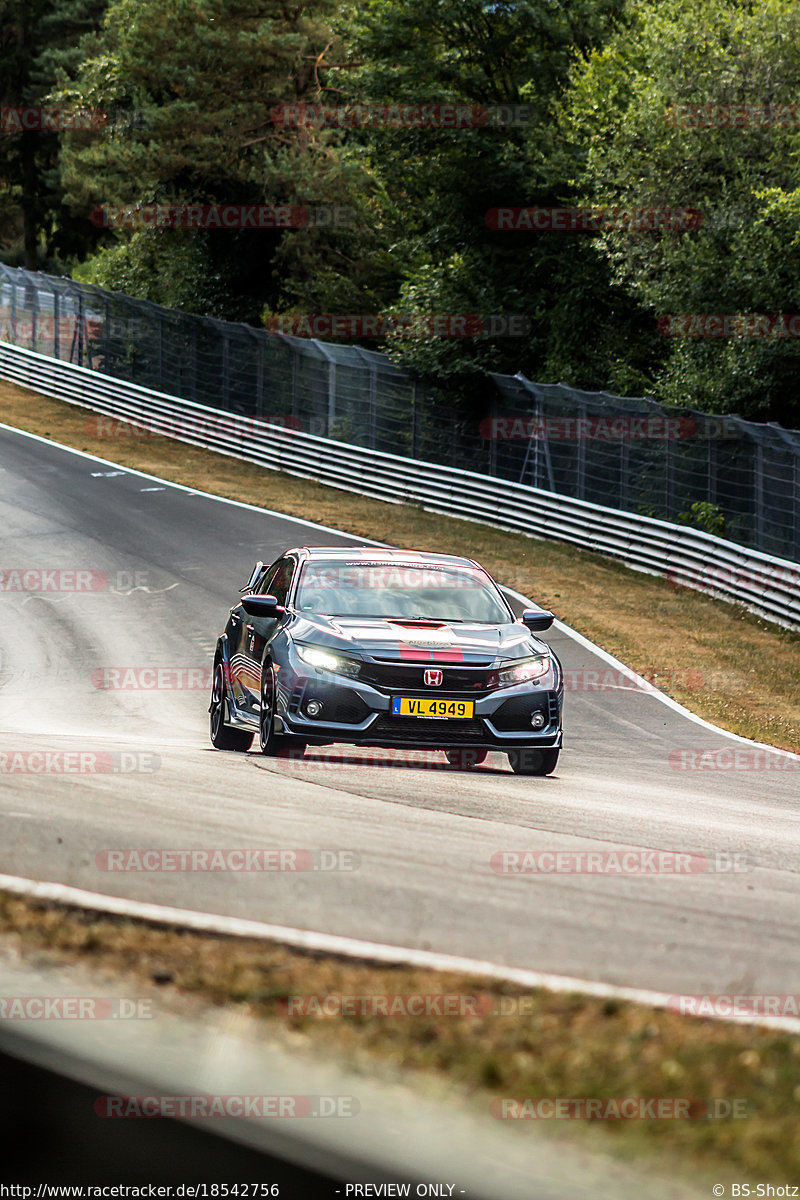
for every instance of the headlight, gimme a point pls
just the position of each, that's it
(326, 660)
(524, 672)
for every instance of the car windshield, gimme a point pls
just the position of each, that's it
(406, 591)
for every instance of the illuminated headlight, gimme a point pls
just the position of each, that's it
(526, 671)
(325, 660)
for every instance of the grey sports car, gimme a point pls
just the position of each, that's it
(391, 648)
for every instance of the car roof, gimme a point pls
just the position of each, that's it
(380, 554)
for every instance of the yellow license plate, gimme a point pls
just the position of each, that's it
(404, 706)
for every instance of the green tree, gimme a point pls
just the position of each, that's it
(442, 182)
(39, 44)
(193, 86)
(626, 117)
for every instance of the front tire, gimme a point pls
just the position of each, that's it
(529, 761)
(270, 742)
(266, 718)
(465, 757)
(222, 736)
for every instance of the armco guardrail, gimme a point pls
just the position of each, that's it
(689, 557)
(622, 452)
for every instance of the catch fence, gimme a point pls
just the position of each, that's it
(737, 479)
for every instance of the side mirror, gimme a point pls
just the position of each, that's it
(537, 621)
(262, 606)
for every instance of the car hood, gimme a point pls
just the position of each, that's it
(410, 640)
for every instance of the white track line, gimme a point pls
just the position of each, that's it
(307, 939)
(639, 680)
(353, 947)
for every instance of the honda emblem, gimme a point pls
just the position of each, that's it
(433, 678)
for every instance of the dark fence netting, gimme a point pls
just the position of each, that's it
(735, 478)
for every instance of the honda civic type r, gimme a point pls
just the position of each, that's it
(390, 648)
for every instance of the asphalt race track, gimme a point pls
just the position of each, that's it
(168, 564)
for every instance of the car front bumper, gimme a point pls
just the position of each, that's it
(359, 714)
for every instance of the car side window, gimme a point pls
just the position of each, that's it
(262, 587)
(280, 581)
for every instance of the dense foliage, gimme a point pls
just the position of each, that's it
(616, 105)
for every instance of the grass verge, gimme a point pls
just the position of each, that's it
(723, 663)
(507, 1041)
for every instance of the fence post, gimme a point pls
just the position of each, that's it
(372, 414)
(56, 319)
(624, 472)
(193, 327)
(580, 481)
(226, 384)
(79, 328)
(107, 338)
(260, 348)
(415, 405)
(758, 495)
(331, 384)
(295, 397)
(712, 471)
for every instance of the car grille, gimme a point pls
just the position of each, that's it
(401, 677)
(436, 732)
